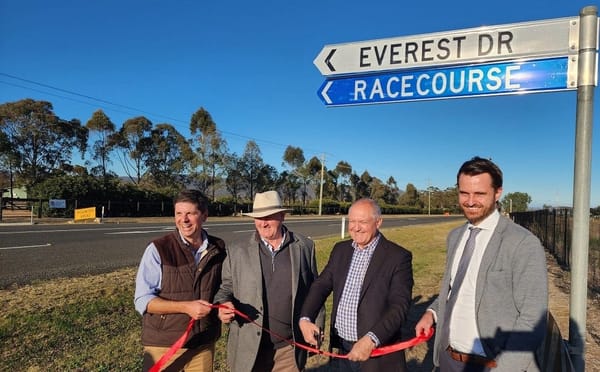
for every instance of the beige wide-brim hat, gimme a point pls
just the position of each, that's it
(265, 204)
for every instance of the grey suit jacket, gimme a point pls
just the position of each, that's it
(242, 285)
(511, 297)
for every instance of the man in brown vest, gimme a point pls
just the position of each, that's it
(177, 279)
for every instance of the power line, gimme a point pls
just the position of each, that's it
(119, 107)
(59, 96)
(86, 96)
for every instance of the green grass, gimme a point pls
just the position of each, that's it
(89, 323)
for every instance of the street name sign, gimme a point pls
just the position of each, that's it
(536, 39)
(499, 78)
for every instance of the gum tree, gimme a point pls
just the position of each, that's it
(40, 142)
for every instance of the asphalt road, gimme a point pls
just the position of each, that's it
(31, 253)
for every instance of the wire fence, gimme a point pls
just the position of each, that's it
(554, 228)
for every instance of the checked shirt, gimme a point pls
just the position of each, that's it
(346, 319)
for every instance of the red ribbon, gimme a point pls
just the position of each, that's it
(375, 353)
(173, 349)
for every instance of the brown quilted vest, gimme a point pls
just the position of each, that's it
(183, 280)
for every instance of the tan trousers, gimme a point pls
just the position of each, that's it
(189, 360)
(280, 360)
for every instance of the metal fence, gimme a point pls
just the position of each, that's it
(554, 228)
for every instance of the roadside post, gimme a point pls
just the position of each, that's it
(586, 83)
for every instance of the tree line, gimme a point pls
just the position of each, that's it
(37, 148)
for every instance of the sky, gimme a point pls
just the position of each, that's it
(250, 65)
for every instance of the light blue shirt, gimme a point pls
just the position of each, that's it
(149, 276)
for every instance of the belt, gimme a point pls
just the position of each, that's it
(470, 358)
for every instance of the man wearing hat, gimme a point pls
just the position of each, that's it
(266, 278)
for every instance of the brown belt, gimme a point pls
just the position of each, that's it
(470, 358)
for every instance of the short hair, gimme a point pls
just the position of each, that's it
(192, 196)
(477, 166)
(374, 206)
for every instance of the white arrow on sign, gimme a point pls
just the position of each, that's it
(547, 38)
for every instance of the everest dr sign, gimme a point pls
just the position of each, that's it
(514, 58)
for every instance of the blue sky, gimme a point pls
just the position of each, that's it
(250, 64)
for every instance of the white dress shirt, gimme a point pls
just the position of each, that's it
(464, 334)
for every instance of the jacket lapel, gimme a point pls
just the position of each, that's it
(295, 261)
(253, 261)
(489, 257)
(377, 261)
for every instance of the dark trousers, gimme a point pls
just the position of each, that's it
(345, 365)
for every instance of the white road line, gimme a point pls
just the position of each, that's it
(81, 229)
(243, 231)
(27, 246)
(134, 232)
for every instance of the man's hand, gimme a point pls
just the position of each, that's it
(226, 314)
(362, 349)
(310, 332)
(425, 323)
(198, 309)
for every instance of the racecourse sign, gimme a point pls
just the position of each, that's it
(462, 81)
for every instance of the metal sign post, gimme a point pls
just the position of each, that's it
(586, 82)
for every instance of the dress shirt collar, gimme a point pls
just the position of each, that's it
(284, 235)
(202, 247)
(489, 223)
(372, 244)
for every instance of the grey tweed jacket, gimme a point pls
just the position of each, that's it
(242, 285)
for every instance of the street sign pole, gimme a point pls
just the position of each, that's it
(587, 80)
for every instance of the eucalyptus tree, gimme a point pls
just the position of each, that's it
(516, 202)
(331, 188)
(377, 190)
(314, 168)
(102, 128)
(251, 165)
(170, 155)
(40, 142)
(133, 143)
(343, 169)
(289, 186)
(210, 150)
(392, 191)
(8, 159)
(293, 159)
(410, 197)
(361, 185)
(268, 178)
(235, 182)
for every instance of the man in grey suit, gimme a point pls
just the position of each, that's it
(492, 314)
(267, 279)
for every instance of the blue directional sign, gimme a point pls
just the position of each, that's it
(513, 77)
